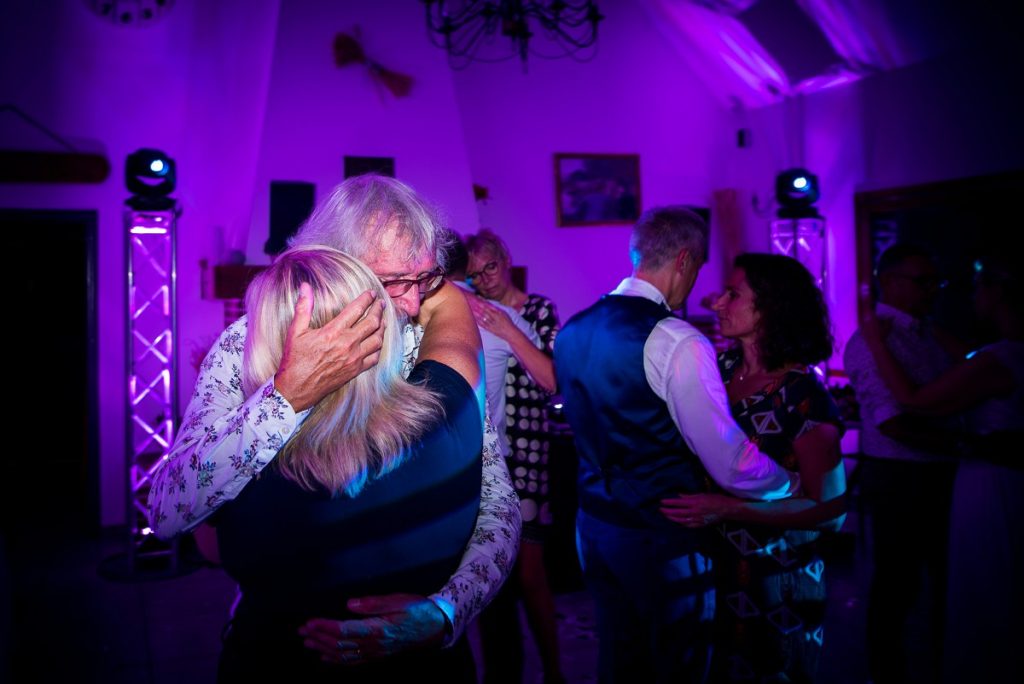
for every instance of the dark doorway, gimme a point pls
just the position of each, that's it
(53, 341)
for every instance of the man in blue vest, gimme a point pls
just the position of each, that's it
(650, 415)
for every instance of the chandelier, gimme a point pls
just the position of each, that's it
(469, 30)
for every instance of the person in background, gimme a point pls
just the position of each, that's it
(986, 547)
(529, 383)
(909, 465)
(769, 578)
(497, 351)
(649, 414)
(227, 438)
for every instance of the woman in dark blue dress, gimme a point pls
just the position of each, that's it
(770, 585)
(375, 493)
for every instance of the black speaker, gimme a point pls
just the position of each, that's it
(291, 203)
(357, 166)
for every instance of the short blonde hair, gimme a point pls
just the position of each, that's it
(488, 241)
(363, 429)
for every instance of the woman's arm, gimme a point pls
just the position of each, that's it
(539, 365)
(965, 385)
(450, 335)
(821, 506)
(397, 623)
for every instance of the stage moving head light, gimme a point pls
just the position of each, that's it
(796, 191)
(150, 176)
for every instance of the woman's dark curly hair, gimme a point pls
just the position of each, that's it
(794, 326)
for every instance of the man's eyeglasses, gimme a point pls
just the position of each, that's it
(425, 284)
(490, 268)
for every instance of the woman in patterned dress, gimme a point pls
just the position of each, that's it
(770, 590)
(529, 383)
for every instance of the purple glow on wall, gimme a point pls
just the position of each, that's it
(239, 103)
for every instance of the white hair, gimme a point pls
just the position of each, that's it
(661, 233)
(357, 213)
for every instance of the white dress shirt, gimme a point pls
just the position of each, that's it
(497, 352)
(921, 357)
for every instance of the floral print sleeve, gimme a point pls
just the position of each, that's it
(224, 440)
(491, 552)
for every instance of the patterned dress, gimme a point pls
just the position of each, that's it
(770, 582)
(526, 421)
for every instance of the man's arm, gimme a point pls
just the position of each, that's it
(398, 623)
(681, 369)
(880, 408)
(961, 387)
(451, 336)
(491, 553)
(225, 439)
(223, 442)
(402, 622)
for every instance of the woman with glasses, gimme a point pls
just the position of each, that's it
(769, 577)
(986, 551)
(376, 492)
(529, 383)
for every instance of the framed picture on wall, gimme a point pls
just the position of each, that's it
(597, 189)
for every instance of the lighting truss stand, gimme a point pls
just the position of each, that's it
(151, 419)
(803, 239)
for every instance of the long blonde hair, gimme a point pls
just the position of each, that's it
(363, 429)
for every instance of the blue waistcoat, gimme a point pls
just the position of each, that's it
(631, 453)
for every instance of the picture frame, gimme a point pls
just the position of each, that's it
(597, 189)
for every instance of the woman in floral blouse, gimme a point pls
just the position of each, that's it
(770, 586)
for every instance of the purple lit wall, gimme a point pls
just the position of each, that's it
(316, 112)
(237, 98)
(952, 117)
(242, 93)
(185, 84)
(634, 97)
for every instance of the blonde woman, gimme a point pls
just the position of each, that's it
(376, 492)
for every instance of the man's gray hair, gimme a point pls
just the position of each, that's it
(355, 214)
(662, 232)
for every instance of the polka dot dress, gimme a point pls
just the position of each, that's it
(526, 421)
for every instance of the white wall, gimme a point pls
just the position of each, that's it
(634, 97)
(317, 112)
